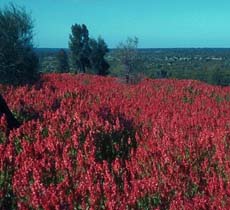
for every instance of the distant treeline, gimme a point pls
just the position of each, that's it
(211, 65)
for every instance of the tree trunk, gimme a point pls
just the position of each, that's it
(4, 109)
(83, 67)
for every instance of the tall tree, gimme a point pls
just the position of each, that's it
(127, 53)
(79, 47)
(63, 62)
(97, 56)
(18, 61)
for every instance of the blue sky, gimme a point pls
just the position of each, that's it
(157, 23)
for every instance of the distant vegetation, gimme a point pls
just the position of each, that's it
(209, 65)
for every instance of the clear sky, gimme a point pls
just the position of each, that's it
(157, 23)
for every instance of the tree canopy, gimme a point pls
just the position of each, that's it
(127, 54)
(18, 61)
(79, 47)
(97, 54)
(87, 52)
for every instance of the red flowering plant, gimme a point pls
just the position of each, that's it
(89, 142)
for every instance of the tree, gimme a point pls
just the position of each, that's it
(79, 47)
(97, 60)
(127, 54)
(63, 63)
(18, 61)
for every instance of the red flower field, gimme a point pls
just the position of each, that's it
(89, 142)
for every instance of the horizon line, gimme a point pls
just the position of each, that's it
(145, 48)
